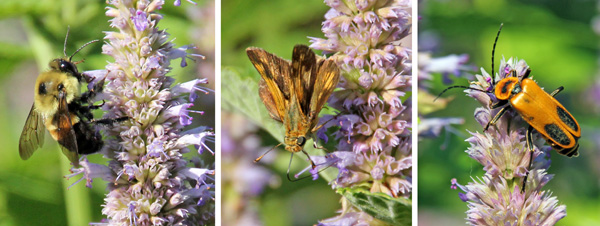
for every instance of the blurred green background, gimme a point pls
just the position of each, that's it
(34, 192)
(275, 26)
(556, 39)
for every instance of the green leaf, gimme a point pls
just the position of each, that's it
(240, 94)
(395, 211)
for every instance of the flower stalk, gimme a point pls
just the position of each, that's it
(151, 181)
(374, 139)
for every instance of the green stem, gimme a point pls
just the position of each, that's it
(77, 198)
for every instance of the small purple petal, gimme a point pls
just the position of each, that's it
(140, 20)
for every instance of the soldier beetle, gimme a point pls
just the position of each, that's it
(539, 109)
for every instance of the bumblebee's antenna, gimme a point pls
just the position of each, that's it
(84, 45)
(493, 52)
(65, 45)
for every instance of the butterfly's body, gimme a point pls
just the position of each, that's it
(295, 92)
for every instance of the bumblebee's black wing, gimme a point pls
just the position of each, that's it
(32, 136)
(65, 133)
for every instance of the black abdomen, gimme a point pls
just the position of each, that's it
(88, 140)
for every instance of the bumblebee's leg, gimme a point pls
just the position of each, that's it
(87, 96)
(90, 94)
(496, 118)
(84, 111)
(80, 110)
(109, 121)
(529, 139)
(94, 107)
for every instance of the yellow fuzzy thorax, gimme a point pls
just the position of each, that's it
(47, 104)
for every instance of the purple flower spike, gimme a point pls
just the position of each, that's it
(150, 181)
(374, 138)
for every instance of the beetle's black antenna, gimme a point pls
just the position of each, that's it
(493, 52)
(464, 87)
(493, 75)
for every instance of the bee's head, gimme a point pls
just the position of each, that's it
(66, 66)
(52, 86)
(294, 144)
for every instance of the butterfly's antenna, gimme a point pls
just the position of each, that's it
(464, 87)
(493, 52)
(263, 155)
(84, 45)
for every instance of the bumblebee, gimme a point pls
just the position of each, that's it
(64, 111)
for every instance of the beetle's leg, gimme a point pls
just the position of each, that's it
(571, 152)
(526, 75)
(499, 104)
(496, 118)
(557, 91)
(529, 139)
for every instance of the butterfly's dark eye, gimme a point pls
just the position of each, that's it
(61, 86)
(300, 141)
(42, 89)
